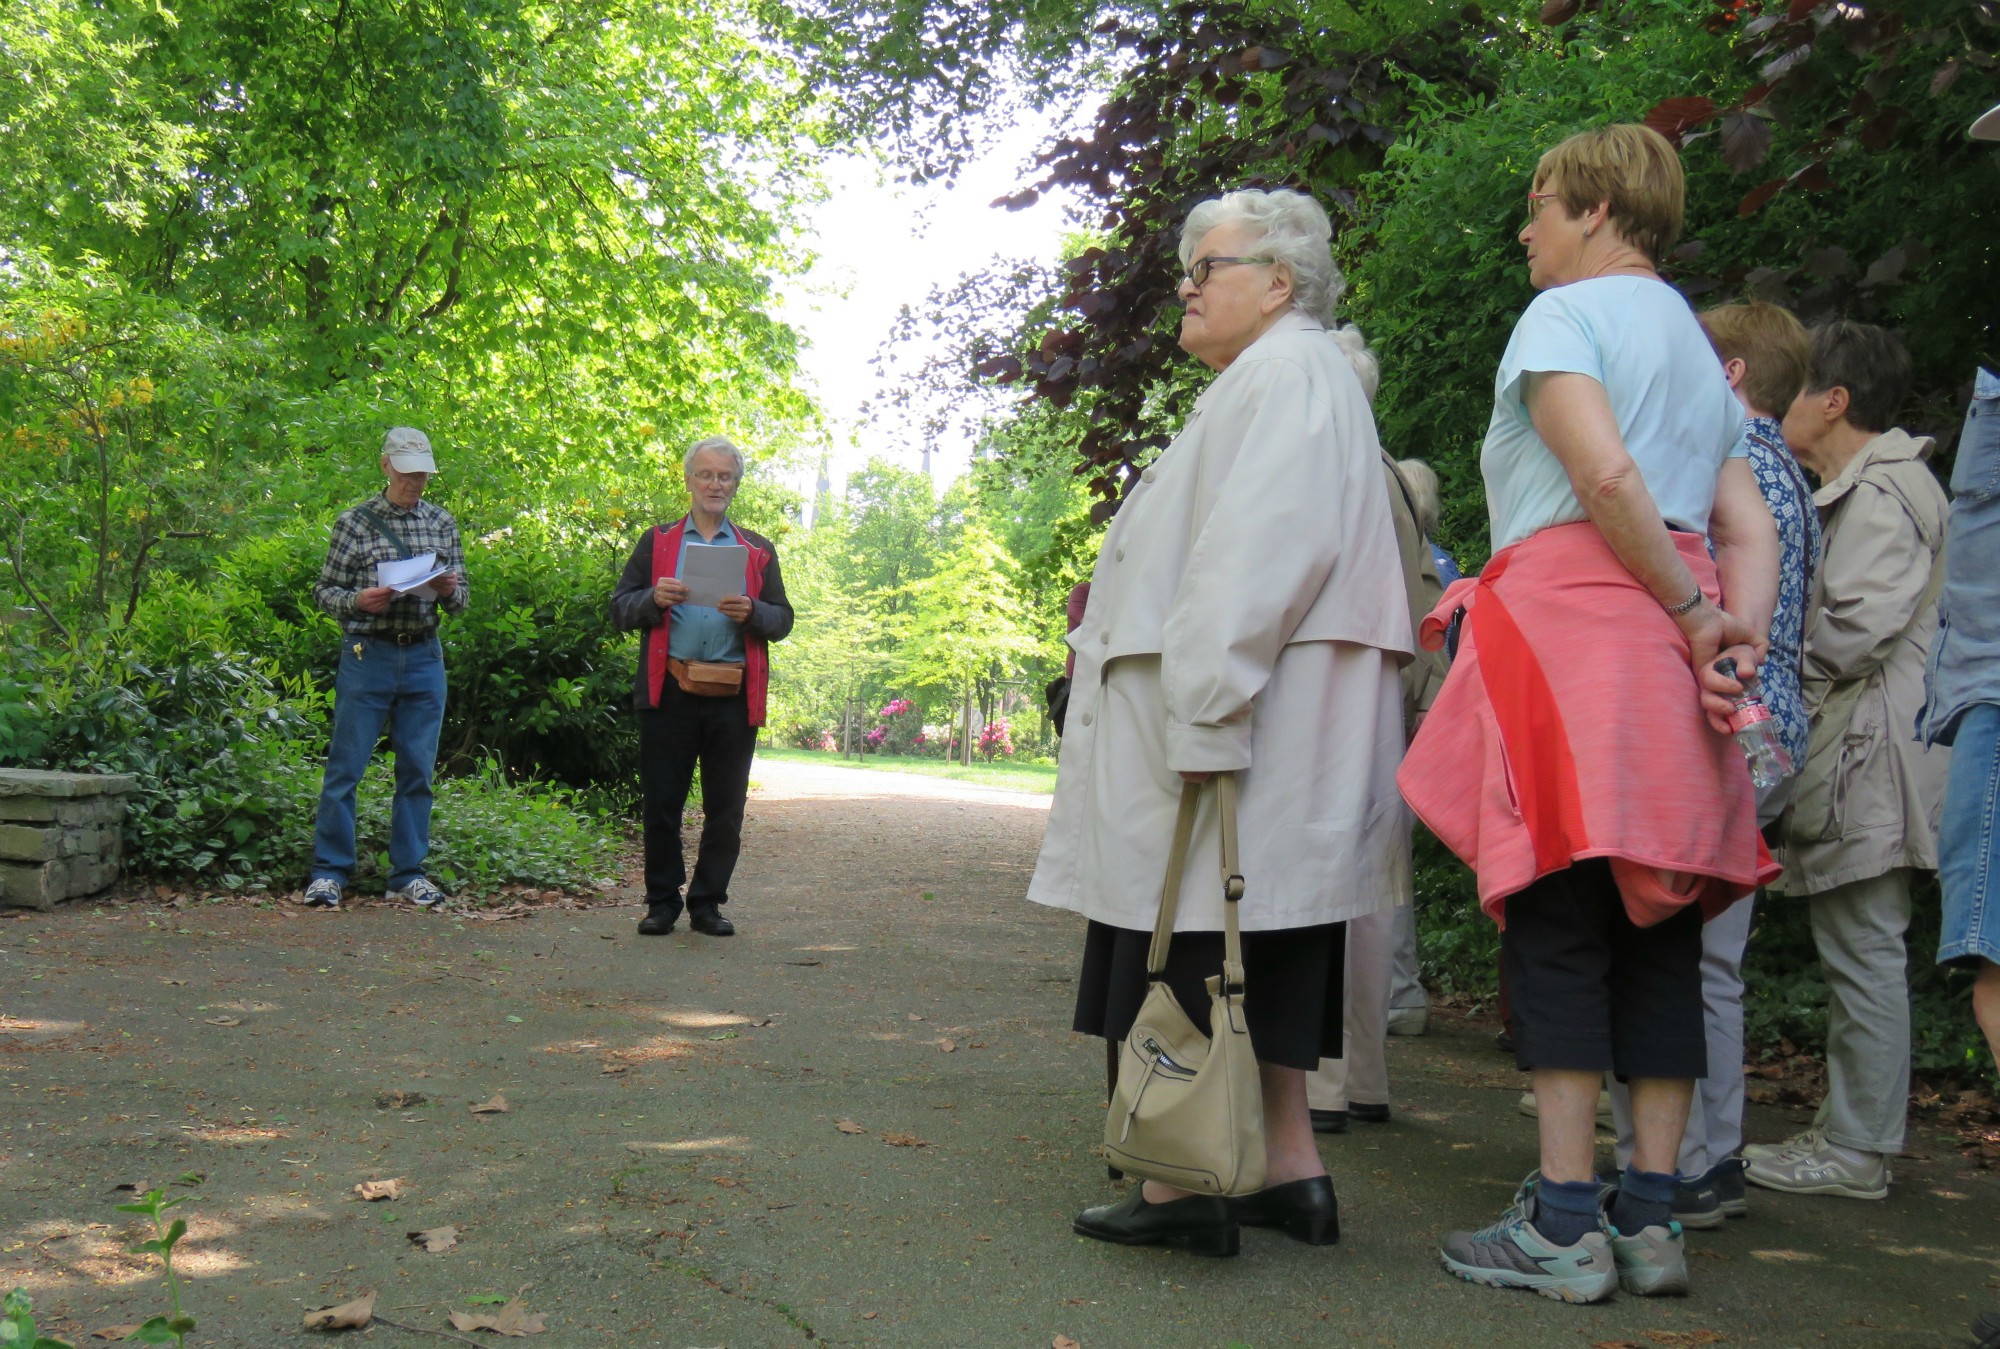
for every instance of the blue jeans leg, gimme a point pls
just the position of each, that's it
(1969, 842)
(362, 693)
(414, 736)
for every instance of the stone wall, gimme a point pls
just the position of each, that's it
(59, 835)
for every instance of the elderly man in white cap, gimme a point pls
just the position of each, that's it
(394, 562)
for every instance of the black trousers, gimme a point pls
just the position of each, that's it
(682, 732)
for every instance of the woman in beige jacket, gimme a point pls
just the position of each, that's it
(1864, 815)
(1246, 615)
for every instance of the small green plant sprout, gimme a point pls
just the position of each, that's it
(173, 1327)
(17, 1324)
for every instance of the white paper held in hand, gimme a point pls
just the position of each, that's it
(405, 574)
(712, 570)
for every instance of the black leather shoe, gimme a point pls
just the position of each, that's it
(711, 923)
(1199, 1223)
(657, 923)
(1367, 1114)
(1329, 1121)
(1304, 1210)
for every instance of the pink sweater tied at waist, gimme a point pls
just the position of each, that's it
(1570, 727)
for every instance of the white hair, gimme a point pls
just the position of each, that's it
(1295, 233)
(721, 445)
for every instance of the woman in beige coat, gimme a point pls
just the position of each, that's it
(1864, 815)
(1246, 615)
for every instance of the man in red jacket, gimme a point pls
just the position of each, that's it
(703, 675)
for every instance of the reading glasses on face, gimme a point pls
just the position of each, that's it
(715, 479)
(1198, 270)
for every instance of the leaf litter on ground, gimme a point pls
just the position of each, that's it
(436, 1239)
(497, 1106)
(353, 1315)
(371, 1190)
(512, 1319)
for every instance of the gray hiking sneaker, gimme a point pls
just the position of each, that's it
(1513, 1254)
(419, 892)
(1653, 1263)
(323, 893)
(1807, 1141)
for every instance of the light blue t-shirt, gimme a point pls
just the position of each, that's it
(1638, 338)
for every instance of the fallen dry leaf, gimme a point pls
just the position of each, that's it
(904, 1141)
(848, 1126)
(915, 1017)
(947, 1045)
(436, 1239)
(975, 1044)
(174, 982)
(371, 1190)
(613, 1069)
(1682, 1339)
(1616, 1344)
(727, 1182)
(1064, 1342)
(113, 1332)
(497, 1106)
(353, 1315)
(225, 1021)
(399, 1099)
(870, 1316)
(512, 1319)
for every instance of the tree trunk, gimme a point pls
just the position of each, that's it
(965, 733)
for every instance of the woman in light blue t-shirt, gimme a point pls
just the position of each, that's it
(1609, 817)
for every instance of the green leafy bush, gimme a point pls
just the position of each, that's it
(487, 832)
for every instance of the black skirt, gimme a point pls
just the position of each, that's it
(1293, 983)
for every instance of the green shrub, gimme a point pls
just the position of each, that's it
(487, 832)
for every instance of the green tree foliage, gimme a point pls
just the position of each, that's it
(964, 623)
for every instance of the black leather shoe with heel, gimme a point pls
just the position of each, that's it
(657, 923)
(1304, 1210)
(710, 923)
(1200, 1223)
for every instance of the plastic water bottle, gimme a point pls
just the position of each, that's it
(1755, 732)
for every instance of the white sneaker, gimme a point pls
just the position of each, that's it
(323, 893)
(1409, 1020)
(1526, 1105)
(419, 892)
(1827, 1169)
(1808, 1141)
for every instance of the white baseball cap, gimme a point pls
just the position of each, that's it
(1987, 128)
(408, 450)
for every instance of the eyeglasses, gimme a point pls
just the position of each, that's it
(1535, 200)
(1198, 270)
(708, 478)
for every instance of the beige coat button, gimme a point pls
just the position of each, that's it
(1086, 718)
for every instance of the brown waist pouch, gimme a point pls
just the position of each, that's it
(707, 678)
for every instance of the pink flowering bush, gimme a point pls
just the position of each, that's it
(996, 740)
(900, 730)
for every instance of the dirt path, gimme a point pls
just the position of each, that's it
(863, 1121)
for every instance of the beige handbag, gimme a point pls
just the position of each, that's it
(1189, 1110)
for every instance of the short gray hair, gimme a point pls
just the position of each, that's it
(721, 444)
(1425, 502)
(1296, 234)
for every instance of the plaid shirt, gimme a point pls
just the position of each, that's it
(357, 546)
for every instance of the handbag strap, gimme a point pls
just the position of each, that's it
(1232, 884)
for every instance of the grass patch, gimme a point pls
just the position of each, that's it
(1015, 776)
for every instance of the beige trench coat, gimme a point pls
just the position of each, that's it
(1247, 612)
(1870, 794)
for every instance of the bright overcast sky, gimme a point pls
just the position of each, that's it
(882, 245)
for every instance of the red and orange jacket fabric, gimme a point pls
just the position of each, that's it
(1570, 727)
(632, 610)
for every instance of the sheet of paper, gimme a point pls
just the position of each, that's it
(405, 574)
(712, 570)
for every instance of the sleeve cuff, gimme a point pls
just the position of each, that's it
(1208, 749)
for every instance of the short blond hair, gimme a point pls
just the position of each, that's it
(1772, 344)
(1634, 169)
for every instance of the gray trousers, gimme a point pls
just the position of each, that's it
(1406, 988)
(1715, 1116)
(1858, 928)
(1362, 1074)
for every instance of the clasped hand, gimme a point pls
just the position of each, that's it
(1713, 633)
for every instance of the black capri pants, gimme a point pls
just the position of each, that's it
(1592, 991)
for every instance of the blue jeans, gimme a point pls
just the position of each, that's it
(1968, 844)
(380, 681)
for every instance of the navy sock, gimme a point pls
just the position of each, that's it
(1565, 1210)
(1645, 1199)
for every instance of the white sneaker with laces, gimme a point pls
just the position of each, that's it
(1807, 1141)
(419, 892)
(1827, 1169)
(323, 893)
